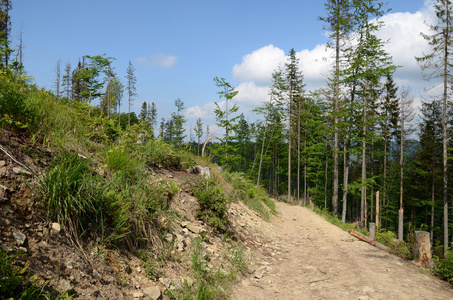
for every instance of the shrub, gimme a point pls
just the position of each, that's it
(444, 266)
(157, 153)
(213, 204)
(12, 101)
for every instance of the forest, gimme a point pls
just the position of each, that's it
(349, 147)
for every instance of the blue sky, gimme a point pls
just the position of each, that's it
(177, 47)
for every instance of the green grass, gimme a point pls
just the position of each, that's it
(213, 204)
(254, 197)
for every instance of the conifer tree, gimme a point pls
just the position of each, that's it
(430, 154)
(178, 121)
(67, 81)
(389, 112)
(58, 78)
(130, 87)
(152, 116)
(198, 128)
(227, 152)
(438, 65)
(295, 91)
(339, 25)
(5, 33)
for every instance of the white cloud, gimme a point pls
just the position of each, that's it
(250, 95)
(259, 65)
(205, 112)
(160, 60)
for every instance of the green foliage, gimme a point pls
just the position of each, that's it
(12, 102)
(254, 197)
(337, 222)
(157, 153)
(443, 267)
(67, 192)
(213, 204)
(102, 129)
(122, 162)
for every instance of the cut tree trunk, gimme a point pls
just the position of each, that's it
(422, 251)
(364, 238)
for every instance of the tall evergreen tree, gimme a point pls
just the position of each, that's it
(439, 64)
(130, 87)
(198, 128)
(5, 33)
(227, 152)
(389, 112)
(430, 154)
(178, 122)
(339, 25)
(67, 79)
(295, 91)
(152, 116)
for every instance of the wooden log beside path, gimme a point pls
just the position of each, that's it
(364, 238)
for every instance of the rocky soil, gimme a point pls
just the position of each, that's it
(303, 256)
(297, 255)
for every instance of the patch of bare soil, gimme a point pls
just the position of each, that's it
(306, 257)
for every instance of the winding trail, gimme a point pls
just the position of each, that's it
(306, 257)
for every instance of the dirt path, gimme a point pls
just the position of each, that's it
(306, 257)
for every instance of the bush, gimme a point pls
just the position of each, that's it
(213, 204)
(157, 153)
(12, 101)
(444, 266)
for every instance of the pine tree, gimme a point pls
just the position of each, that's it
(227, 152)
(406, 115)
(78, 86)
(130, 87)
(152, 116)
(430, 154)
(5, 33)
(439, 64)
(389, 112)
(143, 115)
(339, 25)
(295, 91)
(58, 79)
(198, 133)
(67, 79)
(177, 124)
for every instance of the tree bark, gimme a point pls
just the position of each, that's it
(422, 251)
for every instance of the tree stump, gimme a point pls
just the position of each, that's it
(422, 251)
(373, 231)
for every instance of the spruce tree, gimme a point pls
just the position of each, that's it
(130, 87)
(295, 91)
(339, 25)
(178, 121)
(438, 65)
(5, 33)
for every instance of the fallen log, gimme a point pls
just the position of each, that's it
(364, 238)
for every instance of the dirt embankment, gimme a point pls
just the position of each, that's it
(306, 257)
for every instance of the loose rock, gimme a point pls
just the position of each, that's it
(20, 237)
(153, 292)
